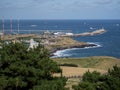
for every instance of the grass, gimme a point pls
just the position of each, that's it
(97, 62)
(72, 81)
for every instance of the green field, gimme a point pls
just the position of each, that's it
(97, 62)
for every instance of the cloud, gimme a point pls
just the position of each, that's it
(43, 1)
(82, 4)
(21, 3)
(103, 2)
(58, 5)
(54, 3)
(118, 2)
(106, 4)
(14, 3)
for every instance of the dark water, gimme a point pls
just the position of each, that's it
(109, 42)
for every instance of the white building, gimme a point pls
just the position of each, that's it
(33, 44)
(69, 33)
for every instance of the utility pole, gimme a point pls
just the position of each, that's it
(3, 25)
(11, 24)
(18, 26)
(2, 35)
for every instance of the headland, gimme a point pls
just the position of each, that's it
(54, 41)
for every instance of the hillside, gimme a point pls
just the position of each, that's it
(96, 63)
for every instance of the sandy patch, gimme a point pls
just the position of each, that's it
(78, 71)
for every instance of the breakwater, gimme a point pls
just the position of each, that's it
(96, 32)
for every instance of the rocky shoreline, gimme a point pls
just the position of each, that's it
(70, 47)
(81, 46)
(67, 43)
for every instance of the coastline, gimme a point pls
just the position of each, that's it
(68, 43)
(55, 43)
(59, 53)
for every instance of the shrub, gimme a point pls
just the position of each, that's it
(70, 65)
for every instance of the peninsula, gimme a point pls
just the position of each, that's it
(54, 41)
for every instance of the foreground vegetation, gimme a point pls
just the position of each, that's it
(99, 64)
(23, 69)
(96, 81)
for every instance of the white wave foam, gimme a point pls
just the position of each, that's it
(98, 44)
(62, 53)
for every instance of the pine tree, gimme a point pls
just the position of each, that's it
(23, 69)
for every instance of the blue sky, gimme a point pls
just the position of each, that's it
(60, 9)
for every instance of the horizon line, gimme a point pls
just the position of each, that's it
(54, 19)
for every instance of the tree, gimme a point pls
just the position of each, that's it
(115, 72)
(56, 84)
(23, 69)
(91, 77)
(89, 81)
(96, 81)
(111, 81)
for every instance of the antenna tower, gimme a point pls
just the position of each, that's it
(3, 25)
(18, 26)
(11, 24)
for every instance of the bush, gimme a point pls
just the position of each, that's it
(70, 65)
(95, 81)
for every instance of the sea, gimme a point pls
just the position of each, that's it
(108, 43)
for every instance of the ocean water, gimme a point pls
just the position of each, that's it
(108, 43)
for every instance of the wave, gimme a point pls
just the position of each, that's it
(62, 53)
(98, 44)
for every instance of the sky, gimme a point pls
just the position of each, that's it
(60, 9)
